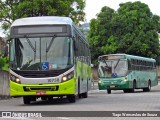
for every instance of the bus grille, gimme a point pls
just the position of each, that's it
(42, 88)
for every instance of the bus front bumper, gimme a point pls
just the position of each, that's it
(121, 86)
(58, 89)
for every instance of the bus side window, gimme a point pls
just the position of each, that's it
(133, 65)
(80, 48)
(148, 66)
(75, 45)
(87, 48)
(154, 65)
(129, 65)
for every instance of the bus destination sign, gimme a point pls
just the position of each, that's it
(113, 57)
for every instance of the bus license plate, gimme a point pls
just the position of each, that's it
(112, 86)
(41, 93)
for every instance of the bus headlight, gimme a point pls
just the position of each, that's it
(68, 76)
(99, 82)
(125, 80)
(15, 79)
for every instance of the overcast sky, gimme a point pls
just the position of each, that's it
(94, 6)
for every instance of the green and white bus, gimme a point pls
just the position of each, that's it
(126, 72)
(49, 57)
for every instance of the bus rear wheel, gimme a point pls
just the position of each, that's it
(26, 100)
(134, 87)
(84, 95)
(109, 91)
(71, 98)
(148, 88)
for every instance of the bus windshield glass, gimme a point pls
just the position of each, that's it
(112, 67)
(41, 53)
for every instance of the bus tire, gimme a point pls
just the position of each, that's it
(109, 91)
(71, 98)
(84, 95)
(26, 100)
(148, 88)
(79, 94)
(125, 90)
(134, 87)
(50, 98)
(43, 98)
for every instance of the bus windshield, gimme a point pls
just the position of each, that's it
(112, 67)
(41, 53)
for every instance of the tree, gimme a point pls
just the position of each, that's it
(132, 29)
(139, 34)
(100, 31)
(14, 9)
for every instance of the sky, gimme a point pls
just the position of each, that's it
(94, 6)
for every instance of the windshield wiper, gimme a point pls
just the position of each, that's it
(29, 42)
(48, 48)
(105, 63)
(116, 64)
(33, 48)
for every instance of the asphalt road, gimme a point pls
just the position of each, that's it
(110, 104)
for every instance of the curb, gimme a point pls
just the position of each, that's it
(4, 97)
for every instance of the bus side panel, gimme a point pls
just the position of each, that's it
(83, 74)
(142, 79)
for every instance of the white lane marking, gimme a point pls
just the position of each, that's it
(63, 118)
(17, 118)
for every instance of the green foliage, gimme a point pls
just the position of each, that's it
(132, 29)
(4, 63)
(14, 9)
(139, 34)
(100, 31)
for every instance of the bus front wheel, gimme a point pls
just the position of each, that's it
(26, 100)
(125, 90)
(109, 91)
(43, 98)
(71, 98)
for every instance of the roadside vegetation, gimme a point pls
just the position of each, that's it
(132, 29)
(4, 63)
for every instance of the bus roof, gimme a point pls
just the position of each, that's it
(45, 20)
(132, 57)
